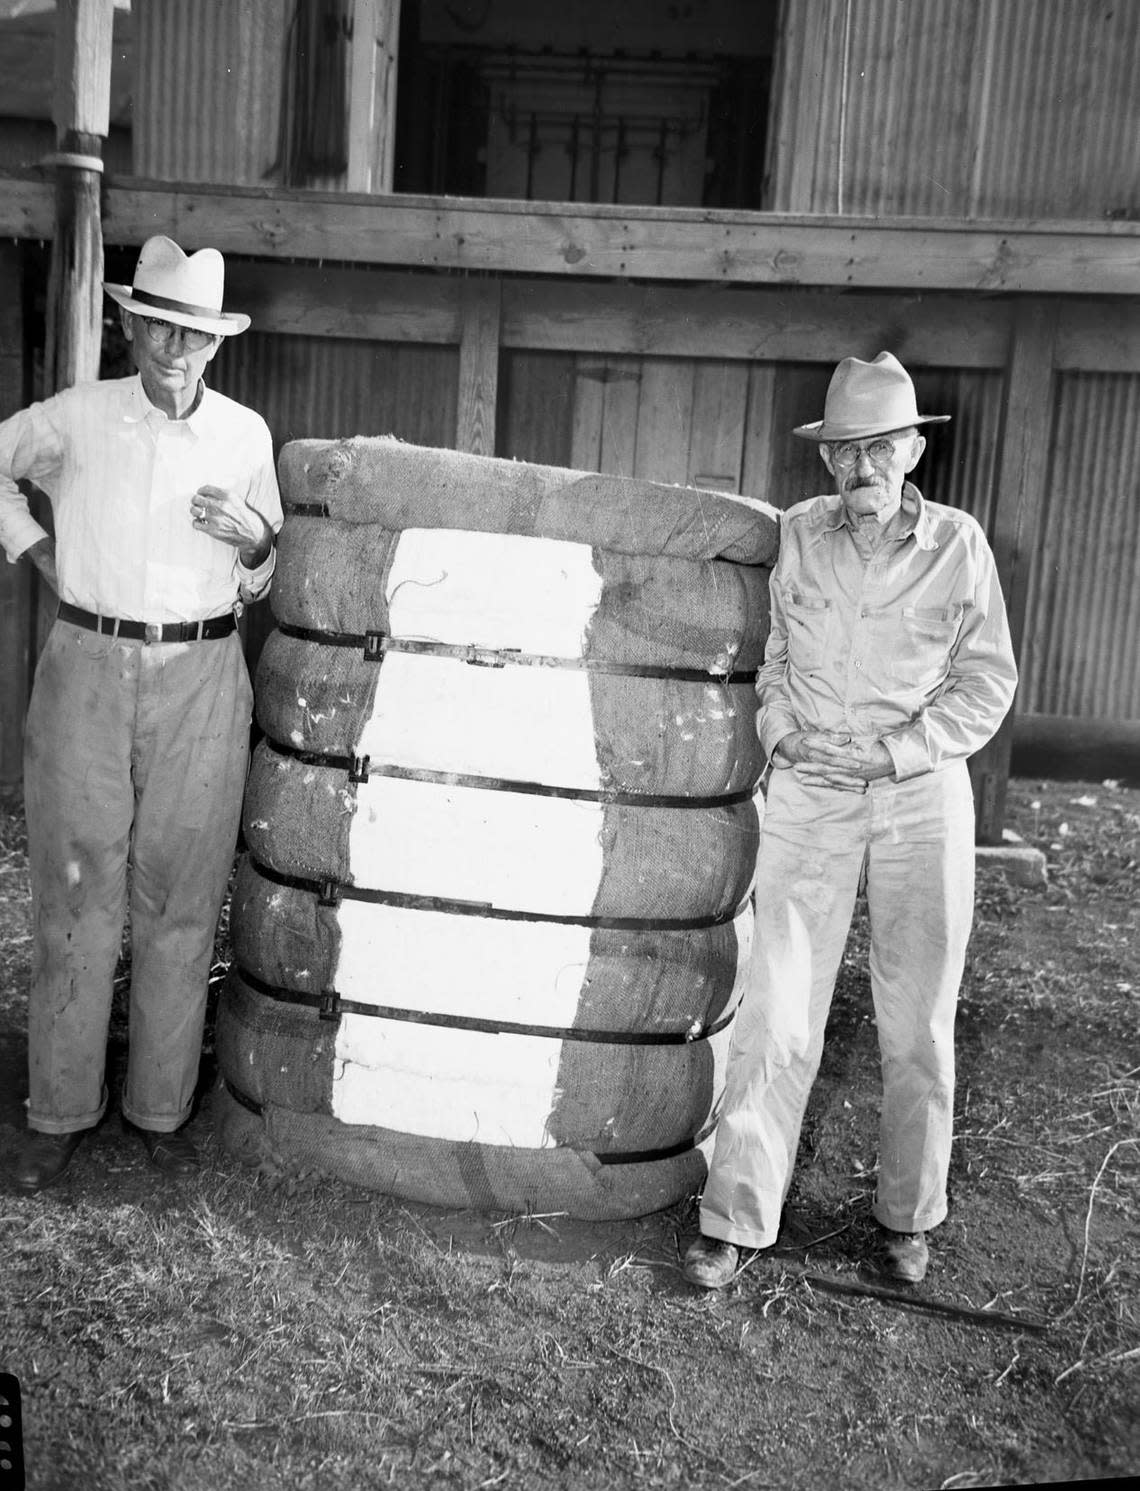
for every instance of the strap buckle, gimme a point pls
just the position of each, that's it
(484, 657)
(329, 1008)
(152, 632)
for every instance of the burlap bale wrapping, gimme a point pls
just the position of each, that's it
(492, 926)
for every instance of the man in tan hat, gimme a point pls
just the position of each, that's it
(888, 664)
(165, 509)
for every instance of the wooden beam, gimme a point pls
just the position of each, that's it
(756, 323)
(81, 110)
(477, 398)
(372, 95)
(367, 304)
(1021, 472)
(15, 579)
(585, 241)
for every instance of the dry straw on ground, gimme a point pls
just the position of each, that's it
(275, 1330)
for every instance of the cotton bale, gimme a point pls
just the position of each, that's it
(492, 923)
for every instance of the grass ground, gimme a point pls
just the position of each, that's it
(263, 1330)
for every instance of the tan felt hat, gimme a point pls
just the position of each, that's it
(867, 398)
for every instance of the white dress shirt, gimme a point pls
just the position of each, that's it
(120, 476)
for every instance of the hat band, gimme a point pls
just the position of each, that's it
(162, 303)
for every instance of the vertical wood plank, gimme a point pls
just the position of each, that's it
(621, 398)
(536, 407)
(1022, 471)
(665, 420)
(589, 407)
(80, 110)
(372, 95)
(720, 403)
(756, 454)
(82, 87)
(15, 579)
(479, 340)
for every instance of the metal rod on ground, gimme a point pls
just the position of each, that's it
(918, 1301)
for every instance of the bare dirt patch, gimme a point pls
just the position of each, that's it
(270, 1330)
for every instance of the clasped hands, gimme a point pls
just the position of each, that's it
(831, 758)
(225, 517)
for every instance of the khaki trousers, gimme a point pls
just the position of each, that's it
(916, 839)
(134, 754)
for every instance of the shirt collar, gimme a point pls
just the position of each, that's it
(911, 518)
(137, 407)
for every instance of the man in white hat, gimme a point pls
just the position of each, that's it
(165, 506)
(888, 664)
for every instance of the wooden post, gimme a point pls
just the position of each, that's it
(480, 334)
(81, 112)
(15, 579)
(1022, 470)
(372, 95)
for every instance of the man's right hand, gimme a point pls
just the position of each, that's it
(42, 555)
(831, 758)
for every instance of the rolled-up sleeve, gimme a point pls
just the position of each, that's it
(30, 449)
(265, 498)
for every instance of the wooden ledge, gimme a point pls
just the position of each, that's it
(572, 239)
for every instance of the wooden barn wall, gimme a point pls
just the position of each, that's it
(726, 425)
(957, 108)
(690, 384)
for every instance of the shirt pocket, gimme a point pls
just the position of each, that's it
(809, 620)
(926, 635)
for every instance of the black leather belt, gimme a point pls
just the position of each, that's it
(150, 631)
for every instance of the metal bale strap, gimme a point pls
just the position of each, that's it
(329, 892)
(375, 645)
(330, 1006)
(617, 1157)
(361, 768)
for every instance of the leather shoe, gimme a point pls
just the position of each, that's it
(44, 1158)
(173, 1154)
(711, 1263)
(907, 1257)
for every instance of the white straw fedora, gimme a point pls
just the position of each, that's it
(867, 398)
(184, 289)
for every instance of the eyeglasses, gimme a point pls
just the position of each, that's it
(160, 333)
(880, 452)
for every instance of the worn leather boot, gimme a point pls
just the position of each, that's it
(907, 1257)
(711, 1263)
(44, 1158)
(173, 1154)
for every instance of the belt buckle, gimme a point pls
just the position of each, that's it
(152, 632)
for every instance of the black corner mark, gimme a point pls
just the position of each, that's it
(11, 1435)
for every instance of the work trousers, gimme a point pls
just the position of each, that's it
(916, 842)
(134, 754)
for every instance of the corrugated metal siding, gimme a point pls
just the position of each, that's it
(325, 387)
(973, 108)
(208, 83)
(1082, 639)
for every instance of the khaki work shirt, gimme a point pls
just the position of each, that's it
(909, 644)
